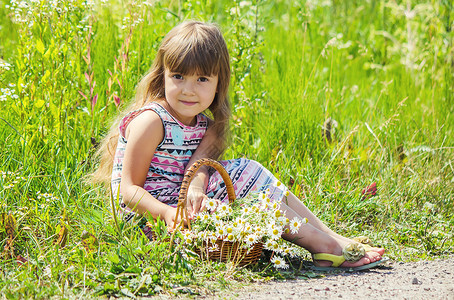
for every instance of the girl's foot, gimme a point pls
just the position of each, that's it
(371, 256)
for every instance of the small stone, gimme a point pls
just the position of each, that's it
(327, 289)
(415, 281)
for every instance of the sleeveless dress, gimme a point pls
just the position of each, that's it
(166, 171)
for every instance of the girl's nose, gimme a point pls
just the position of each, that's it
(188, 89)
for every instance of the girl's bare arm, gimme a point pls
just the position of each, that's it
(144, 133)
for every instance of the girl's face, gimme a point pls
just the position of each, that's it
(189, 95)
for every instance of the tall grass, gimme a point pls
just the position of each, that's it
(381, 71)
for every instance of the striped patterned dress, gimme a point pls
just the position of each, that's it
(166, 171)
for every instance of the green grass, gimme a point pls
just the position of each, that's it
(382, 70)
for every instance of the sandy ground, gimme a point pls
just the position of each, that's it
(393, 280)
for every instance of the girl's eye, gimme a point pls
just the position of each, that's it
(177, 76)
(203, 79)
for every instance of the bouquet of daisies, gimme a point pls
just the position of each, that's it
(248, 223)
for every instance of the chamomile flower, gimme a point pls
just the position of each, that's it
(262, 196)
(287, 193)
(286, 250)
(282, 221)
(251, 239)
(198, 216)
(279, 262)
(205, 217)
(278, 183)
(273, 246)
(230, 237)
(188, 234)
(211, 204)
(229, 229)
(213, 248)
(246, 210)
(269, 245)
(247, 228)
(221, 232)
(275, 233)
(218, 223)
(223, 208)
(212, 237)
(295, 224)
(258, 230)
(241, 221)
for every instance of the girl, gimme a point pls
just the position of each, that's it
(165, 131)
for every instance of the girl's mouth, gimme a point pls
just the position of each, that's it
(188, 103)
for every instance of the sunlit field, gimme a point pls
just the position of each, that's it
(331, 96)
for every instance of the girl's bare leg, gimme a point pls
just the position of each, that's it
(316, 240)
(303, 212)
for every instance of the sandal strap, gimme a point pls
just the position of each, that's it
(337, 260)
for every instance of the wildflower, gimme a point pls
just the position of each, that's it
(369, 191)
(278, 183)
(262, 196)
(213, 248)
(251, 239)
(269, 245)
(287, 193)
(212, 237)
(247, 228)
(223, 208)
(240, 221)
(217, 222)
(211, 204)
(275, 233)
(287, 250)
(279, 262)
(187, 234)
(258, 230)
(273, 246)
(246, 210)
(221, 232)
(230, 237)
(205, 217)
(295, 225)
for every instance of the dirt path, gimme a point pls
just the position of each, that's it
(395, 280)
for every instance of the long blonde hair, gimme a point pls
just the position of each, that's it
(190, 48)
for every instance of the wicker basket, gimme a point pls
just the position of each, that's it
(225, 250)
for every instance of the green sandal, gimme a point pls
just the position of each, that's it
(351, 253)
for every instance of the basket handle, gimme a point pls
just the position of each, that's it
(189, 175)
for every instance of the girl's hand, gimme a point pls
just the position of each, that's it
(196, 200)
(169, 218)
